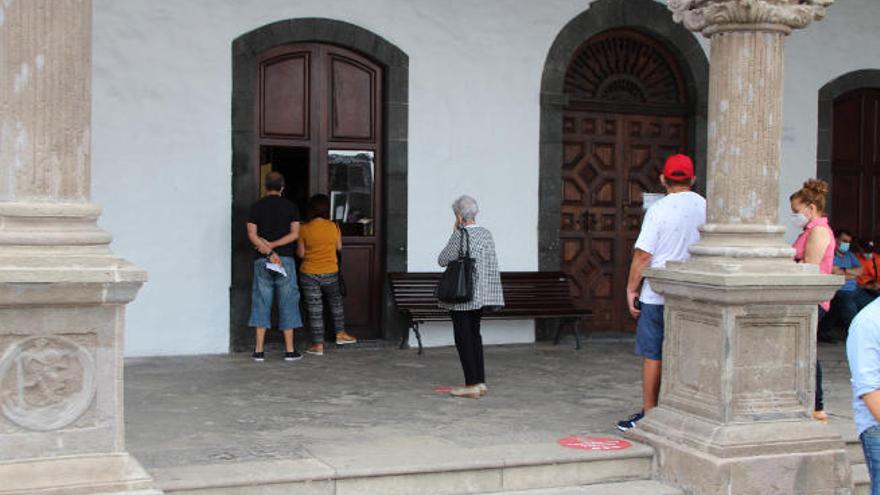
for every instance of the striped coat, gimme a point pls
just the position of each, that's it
(487, 280)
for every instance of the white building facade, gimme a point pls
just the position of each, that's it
(484, 97)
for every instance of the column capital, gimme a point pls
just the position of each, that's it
(717, 16)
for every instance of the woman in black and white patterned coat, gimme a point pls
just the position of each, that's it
(487, 295)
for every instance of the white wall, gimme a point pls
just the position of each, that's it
(161, 127)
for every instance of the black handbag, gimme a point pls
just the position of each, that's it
(457, 282)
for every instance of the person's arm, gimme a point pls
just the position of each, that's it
(641, 260)
(872, 400)
(291, 236)
(301, 249)
(817, 243)
(261, 245)
(450, 252)
(258, 242)
(855, 268)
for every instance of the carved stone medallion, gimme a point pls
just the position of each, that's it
(46, 383)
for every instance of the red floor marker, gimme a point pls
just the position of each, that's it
(594, 443)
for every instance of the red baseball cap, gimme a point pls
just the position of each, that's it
(678, 168)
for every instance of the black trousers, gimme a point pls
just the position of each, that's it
(820, 393)
(469, 342)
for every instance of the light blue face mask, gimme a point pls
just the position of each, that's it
(844, 247)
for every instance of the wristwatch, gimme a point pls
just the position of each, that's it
(270, 253)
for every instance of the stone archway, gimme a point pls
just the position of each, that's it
(645, 16)
(395, 108)
(851, 81)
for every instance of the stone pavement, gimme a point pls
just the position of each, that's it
(375, 402)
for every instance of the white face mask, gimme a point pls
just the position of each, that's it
(799, 220)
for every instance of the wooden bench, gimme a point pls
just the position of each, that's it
(527, 295)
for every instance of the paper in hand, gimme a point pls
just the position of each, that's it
(276, 268)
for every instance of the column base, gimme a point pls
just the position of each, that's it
(77, 475)
(803, 457)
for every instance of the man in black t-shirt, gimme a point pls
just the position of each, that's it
(273, 228)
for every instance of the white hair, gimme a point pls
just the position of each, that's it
(466, 207)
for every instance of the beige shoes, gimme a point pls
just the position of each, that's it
(821, 416)
(316, 350)
(472, 392)
(343, 338)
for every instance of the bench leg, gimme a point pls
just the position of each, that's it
(577, 334)
(403, 340)
(418, 336)
(558, 332)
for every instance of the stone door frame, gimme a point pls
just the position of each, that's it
(395, 107)
(851, 81)
(646, 16)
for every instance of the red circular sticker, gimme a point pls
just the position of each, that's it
(594, 443)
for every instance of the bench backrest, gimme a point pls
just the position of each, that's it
(522, 290)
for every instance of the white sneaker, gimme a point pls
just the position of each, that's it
(472, 392)
(482, 388)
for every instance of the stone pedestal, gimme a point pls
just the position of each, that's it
(62, 292)
(739, 355)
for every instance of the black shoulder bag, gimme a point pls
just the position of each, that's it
(457, 282)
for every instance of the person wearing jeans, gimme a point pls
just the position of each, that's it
(863, 354)
(320, 242)
(815, 245)
(272, 228)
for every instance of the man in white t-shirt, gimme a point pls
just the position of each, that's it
(670, 227)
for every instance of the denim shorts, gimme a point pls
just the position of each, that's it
(649, 332)
(267, 285)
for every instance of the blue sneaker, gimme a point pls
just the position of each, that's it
(631, 421)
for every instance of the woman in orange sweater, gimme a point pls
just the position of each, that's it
(319, 241)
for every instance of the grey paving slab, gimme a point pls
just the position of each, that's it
(363, 407)
(623, 488)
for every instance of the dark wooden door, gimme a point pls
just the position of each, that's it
(626, 113)
(328, 100)
(855, 166)
(609, 161)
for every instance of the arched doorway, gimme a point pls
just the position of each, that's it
(324, 102)
(849, 126)
(626, 112)
(619, 94)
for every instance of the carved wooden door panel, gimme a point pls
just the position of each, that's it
(592, 159)
(609, 160)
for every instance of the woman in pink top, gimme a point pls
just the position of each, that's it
(815, 245)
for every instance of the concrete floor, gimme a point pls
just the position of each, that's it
(216, 409)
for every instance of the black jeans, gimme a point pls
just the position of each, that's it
(820, 394)
(469, 342)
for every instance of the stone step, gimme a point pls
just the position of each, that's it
(623, 488)
(441, 472)
(861, 480)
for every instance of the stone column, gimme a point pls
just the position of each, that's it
(62, 292)
(740, 348)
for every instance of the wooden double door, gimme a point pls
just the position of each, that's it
(609, 160)
(855, 164)
(320, 124)
(627, 110)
